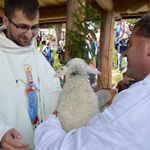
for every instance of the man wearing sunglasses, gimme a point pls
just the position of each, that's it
(26, 95)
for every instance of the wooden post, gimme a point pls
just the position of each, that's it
(106, 50)
(72, 5)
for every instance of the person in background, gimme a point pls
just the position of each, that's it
(38, 39)
(61, 50)
(121, 43)
(98, 47)
(124, 125)
(28, 89)
(92, 76)
(119, 27)
(92, 46)
(124, 83)
(48, 52)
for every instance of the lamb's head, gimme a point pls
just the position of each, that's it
(75, 66)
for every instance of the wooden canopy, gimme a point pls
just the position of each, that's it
(53, 11)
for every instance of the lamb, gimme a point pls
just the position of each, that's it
(78, 103)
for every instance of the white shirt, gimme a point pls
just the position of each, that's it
(124, 125)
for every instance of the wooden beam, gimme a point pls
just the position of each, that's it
(2, 4)
(53, 11)
(53, 20)
(105, 4)
(1, 12)
(132, 5)
(118, 16)
(126, 9)
(71, 6)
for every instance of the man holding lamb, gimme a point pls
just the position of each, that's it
(125, 124)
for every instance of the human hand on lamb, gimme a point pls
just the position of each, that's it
(55, 113)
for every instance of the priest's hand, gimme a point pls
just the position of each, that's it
(9, 142)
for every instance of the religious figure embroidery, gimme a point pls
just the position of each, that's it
(31, 91)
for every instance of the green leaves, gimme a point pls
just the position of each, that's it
(84, 17)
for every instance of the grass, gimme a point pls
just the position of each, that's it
(116, 76)
(57, 63)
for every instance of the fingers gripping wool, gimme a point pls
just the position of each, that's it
(78, 103)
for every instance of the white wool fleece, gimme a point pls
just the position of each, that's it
(78, 104)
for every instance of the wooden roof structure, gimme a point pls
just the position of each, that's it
(55, 11)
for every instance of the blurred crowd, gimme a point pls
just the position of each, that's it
(122, 33)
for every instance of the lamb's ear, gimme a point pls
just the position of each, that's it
(92, 70)
(61, 72)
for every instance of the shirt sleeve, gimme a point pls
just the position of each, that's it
(49, 134)
(112, 129)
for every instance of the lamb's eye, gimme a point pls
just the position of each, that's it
(62, 69)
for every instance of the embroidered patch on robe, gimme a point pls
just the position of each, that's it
(31, 91)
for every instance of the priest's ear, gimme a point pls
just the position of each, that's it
(5, 21)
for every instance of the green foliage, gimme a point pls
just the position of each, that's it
(115, 59)
(116, 77)
(132, 21)
(84, 17)
(56, 64)
(76, 44)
